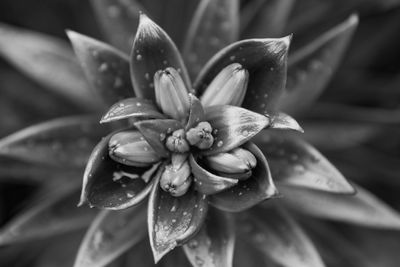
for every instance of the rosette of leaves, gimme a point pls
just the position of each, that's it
(306, 180)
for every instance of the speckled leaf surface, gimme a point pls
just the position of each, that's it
(108, 184)
(214, 26)
(250, 192)
(265, 60)
(214, 244)
(173, 220)
(297, 163)
(61, 142)
(111, 234)
(153, 50)
(106, 68)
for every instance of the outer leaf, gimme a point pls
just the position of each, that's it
(311, 67)
(207, 182)
(110, 235)
(213, 245)
(295, 162)
(48, 61)
(362, 209)
(265, 59)
(265, 18)
(280, 238)
(106, 68)
(155, 132)
(54, 214)
(233, 126)
(119, 20)
(214, 26)
(173, 220)
(153, 50)
(250, 192)
(62, 142)
(111, 185)
(132, 108)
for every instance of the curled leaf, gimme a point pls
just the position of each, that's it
(108, 184)
(196, 112)
(48, 61)
(153, 50)
(250, 192)
(132, 108)
(213, 245)
(111, 234)
(60, 142)
(233, 126)
(214, 25)
(264, 59)
(207, 182)
(173, 220)
(106, 68)
(297, 163)
(361, 209)
(311, 67)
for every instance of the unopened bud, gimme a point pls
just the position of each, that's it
(176, 180)
(200, 135)
(130, 148)
(177, 142)
(171, 94)
(236, 163)
(228, 87)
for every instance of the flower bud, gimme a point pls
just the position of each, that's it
(200, 135)
(130, 148)
(228, 87)
(236, 163)
(171, 94)
(176, 180)
(177, 142)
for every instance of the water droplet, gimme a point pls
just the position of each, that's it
(130, 194)
(220, 143)
(232, 58)
(173, 220)
(199, 261)
(103, 67)
(162, 136)
(193, 244)
(138, 104)
(245, 133)
(299, 168)
(147, 76)
(139, 57)
(118, 82)
(165, 62)
(173, 208)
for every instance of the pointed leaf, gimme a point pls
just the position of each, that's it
(108, 184)
(47, 60)
(155, 132)
(196, 112)
(265, 18)
(153, 50)
(207, 182)
(55, 213)
(264, 59)
(173, 220)
(106, 68)
(250, 192)
(213, 245)
(311, 67)
(132, 108)
(284, 122)
(233, 126)
(297, 163)
(61, 142)
(214, 26)
(361, 209)
(279, 237)
(119, 20)
(111, 234)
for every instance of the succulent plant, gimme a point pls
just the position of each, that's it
(199, 156)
